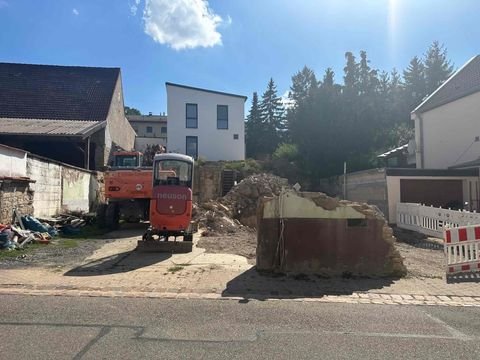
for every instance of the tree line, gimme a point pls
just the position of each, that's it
(327, 122)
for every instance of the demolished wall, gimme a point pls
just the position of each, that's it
(303, 232)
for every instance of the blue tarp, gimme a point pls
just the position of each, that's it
(33, 224)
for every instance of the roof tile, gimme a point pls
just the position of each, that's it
(56, 92)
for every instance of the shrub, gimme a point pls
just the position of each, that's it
(286, 151)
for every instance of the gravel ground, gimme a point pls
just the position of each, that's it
(243, 242)
(423, 256)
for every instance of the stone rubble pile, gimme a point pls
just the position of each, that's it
(242, 199)
(236, 211)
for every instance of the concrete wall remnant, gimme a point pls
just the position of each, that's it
(304, 232)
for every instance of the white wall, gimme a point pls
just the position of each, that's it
(13, 162)
(47, 197)
(448, 131)
(213, 144)
(393, 190)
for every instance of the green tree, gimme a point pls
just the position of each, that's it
(273, 118)
(437, 67)
(351, 75)
(415, 83)
(254, 129)
(303, 83)
(131, 111)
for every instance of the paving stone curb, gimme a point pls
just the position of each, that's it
(355, 298)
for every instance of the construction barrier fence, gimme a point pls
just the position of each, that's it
(462, 249)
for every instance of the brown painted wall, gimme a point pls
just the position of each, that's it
(320, 235)
(323, 245)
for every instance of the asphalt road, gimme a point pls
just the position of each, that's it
(42, 327)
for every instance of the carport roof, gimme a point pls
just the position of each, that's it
(81, 128)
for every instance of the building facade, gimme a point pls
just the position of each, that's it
(151, 130)
(447, 131)
(205, 124)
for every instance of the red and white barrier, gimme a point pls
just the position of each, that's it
(462, 249)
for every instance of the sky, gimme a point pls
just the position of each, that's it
(230, 45)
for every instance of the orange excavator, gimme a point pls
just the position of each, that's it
(128, 189)
(170, 205)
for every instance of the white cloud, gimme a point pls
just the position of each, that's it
(3, 3)
(134, 7)
(75, 12)
(182, 24)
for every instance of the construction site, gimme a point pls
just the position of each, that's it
(262, 237)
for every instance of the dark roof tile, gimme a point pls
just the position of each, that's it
(56, 92)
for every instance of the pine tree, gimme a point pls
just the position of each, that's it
(303, 83)
(351, 77)
(328, 78)
(254, 129)
(437, 67)
(273, 117)
(414, 79)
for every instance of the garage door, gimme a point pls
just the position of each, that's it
(444, 193)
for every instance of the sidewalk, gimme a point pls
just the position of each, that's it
(117, 270)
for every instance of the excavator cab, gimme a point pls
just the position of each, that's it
(126, 159)
(170, 205)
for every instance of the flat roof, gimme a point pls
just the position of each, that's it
(206, 90)
(147, 118)
(431, 172)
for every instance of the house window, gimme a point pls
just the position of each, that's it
(222, 117)
(192, 146)
(235, 136)
(192, 116)
(149, 129)
(163, 130)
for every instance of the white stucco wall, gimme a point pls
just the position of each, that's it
(448, 131)
(393, 190)
(213, 144)
(13, 162)
(47, 197)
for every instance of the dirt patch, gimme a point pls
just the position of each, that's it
(423, 256)
(61, 252)
(243, 243)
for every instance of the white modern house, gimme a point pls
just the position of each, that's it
(205, 123)
(447, 123)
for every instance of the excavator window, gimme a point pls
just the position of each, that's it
(173, 172)
(126, 161)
